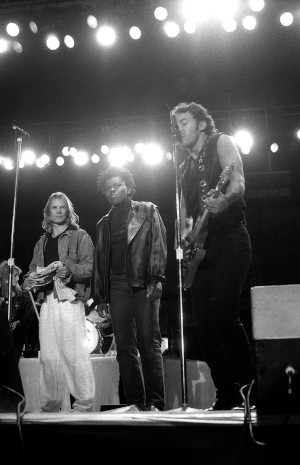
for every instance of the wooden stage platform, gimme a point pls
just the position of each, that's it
(189, 434)
(127, 435)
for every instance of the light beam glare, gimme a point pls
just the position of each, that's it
(152, 154)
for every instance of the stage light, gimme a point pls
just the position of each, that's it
(135, 33)
(249, 23)
(52, 42)
(17, 47)
(224, 9)
(169, 156)
(39, 163)
(298, 134)
(65, 151)
(196, 11)
(286, 19)
(161, 13)
(95, 158)
(92, 21)
(118, 156)
(189, 27)
(229, 25)
(152, 154)
(139, 147)
(33, 27)
(12, 29)
(45, 158)
(130, 157)
(69, 41)
(105, 149)
(256, 5)
(28, 156)
(106, 36)
(274, 147)
(244, 140)
(4, 45)
(171, 29)
(245, 149)
(8, 164)
(60, 161)
(72, 151)
(81, 158)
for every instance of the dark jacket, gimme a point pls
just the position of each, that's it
(146, 254)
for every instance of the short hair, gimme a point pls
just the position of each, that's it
(112, 172)
(72, 218)
(4, 275)
(199, 113)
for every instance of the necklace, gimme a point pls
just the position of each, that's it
(201, 157)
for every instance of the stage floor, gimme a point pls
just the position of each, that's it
(126, 434)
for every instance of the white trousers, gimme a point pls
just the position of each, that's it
(64, 356)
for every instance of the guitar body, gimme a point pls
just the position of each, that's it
(191, 267)
(195, 240)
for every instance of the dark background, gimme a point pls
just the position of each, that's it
(88, 96)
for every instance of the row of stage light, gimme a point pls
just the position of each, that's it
(150, 153)
(195, 13)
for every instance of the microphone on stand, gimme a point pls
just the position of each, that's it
(174, 127)
(20, 130)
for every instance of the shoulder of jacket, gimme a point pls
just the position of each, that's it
(143, 206)
(77, 233)
(42, 238)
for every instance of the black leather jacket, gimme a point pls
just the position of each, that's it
(146, 254)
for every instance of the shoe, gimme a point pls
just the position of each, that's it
(154, 408)
(140, 408)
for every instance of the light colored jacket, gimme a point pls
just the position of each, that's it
(76, 251)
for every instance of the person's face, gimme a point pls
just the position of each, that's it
(15, 279)
(58, 212)
(189, 129)
(116, 191)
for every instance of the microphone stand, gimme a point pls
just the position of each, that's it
(11, 260)
(179, 257)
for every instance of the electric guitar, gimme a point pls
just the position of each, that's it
(196, 238)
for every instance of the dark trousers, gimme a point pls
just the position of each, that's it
(135, 323)
(215, 295)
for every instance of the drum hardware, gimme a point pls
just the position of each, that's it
(99, 336)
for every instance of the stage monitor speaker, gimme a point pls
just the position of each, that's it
(276, 347)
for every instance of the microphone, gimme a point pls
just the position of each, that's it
(174, 127)
(21, 131)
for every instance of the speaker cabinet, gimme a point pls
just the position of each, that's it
(276, 347)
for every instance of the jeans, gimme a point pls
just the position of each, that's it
(215, 296)
(135, 323)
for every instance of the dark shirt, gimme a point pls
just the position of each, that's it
(118, 228)
(51, 254)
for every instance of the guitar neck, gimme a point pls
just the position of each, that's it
(200, 223)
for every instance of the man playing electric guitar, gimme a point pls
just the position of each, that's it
(213, 226)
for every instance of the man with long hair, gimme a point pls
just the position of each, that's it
(64, 356)
(130, 261)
